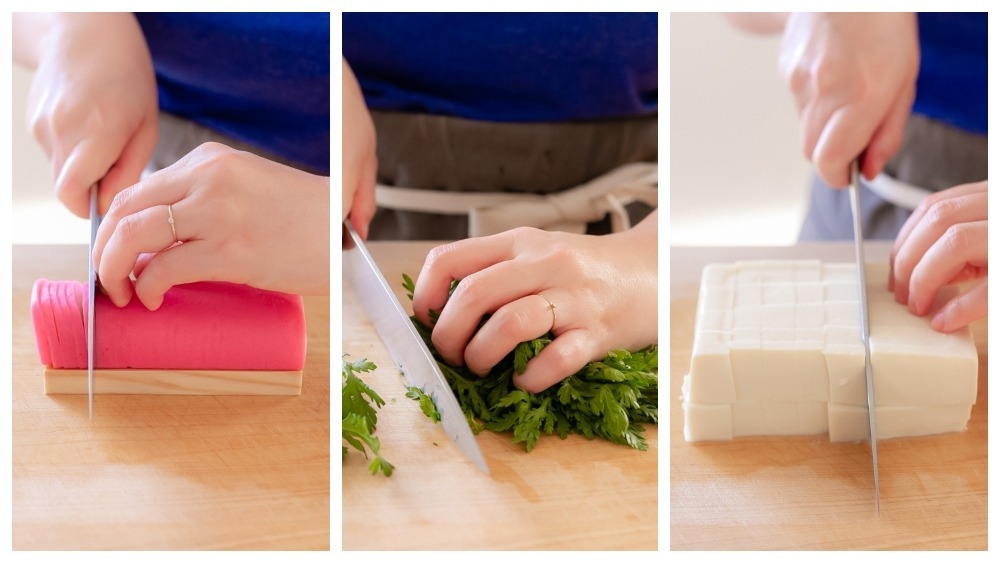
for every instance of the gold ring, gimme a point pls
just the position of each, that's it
(170, 219)
(552, 307)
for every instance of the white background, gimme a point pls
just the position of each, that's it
(737, 176)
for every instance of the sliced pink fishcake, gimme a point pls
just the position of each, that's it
(200, 326)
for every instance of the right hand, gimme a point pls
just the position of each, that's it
(358, 152)
(854, 80)
(93, 105)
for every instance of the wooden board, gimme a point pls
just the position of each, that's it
(808, 493)
(173, 382)
(164, 471)
(565, 494)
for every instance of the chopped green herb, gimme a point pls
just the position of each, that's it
(427, 405)
(610, 399)
(359, 416)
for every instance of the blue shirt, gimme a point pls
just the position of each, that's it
(261, 78)
(506, 67)
(952, 83)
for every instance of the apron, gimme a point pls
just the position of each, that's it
(446, 178)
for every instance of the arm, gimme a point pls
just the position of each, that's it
(763, 23)
(358, 153)
(603, 289)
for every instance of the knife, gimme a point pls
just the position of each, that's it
(859, 251)
(95, 221)
(405, 345)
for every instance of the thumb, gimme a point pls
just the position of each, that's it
(86, 164)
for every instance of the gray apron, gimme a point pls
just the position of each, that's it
(449, 157)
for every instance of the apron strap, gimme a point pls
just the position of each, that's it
(567, 210)
(896, 192)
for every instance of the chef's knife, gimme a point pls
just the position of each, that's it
(865, 331)
(405, 345)
(95, 221)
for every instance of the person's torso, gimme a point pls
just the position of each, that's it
(952, 84)
(506, 67)
(262, 78)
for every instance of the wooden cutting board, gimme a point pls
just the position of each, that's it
(565, 494)
(808, 493)
(159, 471)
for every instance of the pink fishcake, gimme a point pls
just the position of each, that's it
(200, 326)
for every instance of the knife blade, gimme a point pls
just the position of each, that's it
(405, 345)
(95, 222)
(859, 251)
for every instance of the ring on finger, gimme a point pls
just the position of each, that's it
(552, 308)
(170, 219)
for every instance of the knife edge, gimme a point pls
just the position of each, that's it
(854, 195)
(406, 346)
(95, 222)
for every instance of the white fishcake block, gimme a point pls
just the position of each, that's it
(777, 351)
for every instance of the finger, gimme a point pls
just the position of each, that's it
(518, 321)
(963, 309)
(565, 356)
(961, 244)
(86, 164)
(455, 261)
(141, 232)
(363, 206)
(188, 262)
(844, 137)
(126, 171)
(159, 189)
(142, 262)
(476, 295)
(814, 118)
(888, 137)
(937, 219)
(914, 219)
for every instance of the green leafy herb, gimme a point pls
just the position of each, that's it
(610, 399)
(359, 415)
(427, 405)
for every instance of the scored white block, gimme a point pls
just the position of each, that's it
(777, 351)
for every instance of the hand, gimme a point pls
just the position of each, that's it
(93, 105)
(853, 77)
(239, 218)
(603, 289)
(943, 242)
(359, 160)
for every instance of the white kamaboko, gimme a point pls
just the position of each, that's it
(778, 351)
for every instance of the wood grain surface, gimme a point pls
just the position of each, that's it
(161, 471)
(565, 494)
(808, 493)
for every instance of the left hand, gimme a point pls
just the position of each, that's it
(603, 289)
(238, 217)
(943, 242)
